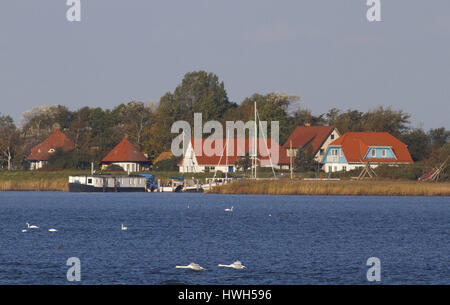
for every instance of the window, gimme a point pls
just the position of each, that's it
(89, 181)
(334, 152)
(330, 169)
(374, 152)
(384, 152)
(344, 168)
(321, 151)
(335, 168)
(332, 136)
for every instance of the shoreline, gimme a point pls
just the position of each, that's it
(277, 187)
(336, 188)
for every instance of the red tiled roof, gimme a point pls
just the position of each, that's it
(125, 152)
(57, 140)
(245, 145)
(303, 135)
(356, 144)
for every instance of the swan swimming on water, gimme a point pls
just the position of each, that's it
(192, 266)
(24, 230)
(124, 228)
(31, 227)
(52, 230)
(229, 210)
(235, 265)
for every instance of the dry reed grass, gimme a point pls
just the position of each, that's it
(58, 184)
(358, 188)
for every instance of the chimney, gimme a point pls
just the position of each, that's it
(307, 125)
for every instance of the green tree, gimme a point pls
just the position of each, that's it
(270, 107)
(199, 92)
(40, 121)
(244, 162)
(418, 143)
(439, 137)
(385, 119)
(134, 118)
(304, 160)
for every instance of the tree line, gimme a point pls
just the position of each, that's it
(95, 131)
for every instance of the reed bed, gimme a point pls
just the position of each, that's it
(59, 184)
(356, 188)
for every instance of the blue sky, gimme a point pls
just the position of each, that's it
(322, 50)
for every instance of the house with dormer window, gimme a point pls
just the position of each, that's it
(355, 149)
(41, 153)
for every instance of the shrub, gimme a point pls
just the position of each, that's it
(113, 168)
(167, 165)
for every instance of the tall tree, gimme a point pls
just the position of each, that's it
(271, 107)
(199, 92)
(135, 118)
(40, 121)
(9, 139)
(418, 143)
(439, 137)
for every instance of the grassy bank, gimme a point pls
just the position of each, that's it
(57, 180)
(36, 180)
(358, 188)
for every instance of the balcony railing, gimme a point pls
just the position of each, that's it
(332, 158)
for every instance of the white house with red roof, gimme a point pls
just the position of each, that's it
(356, 149)
(126, 155)
(316, 137)
(41, 153)
(203, 155)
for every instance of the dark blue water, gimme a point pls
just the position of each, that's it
(307, 240)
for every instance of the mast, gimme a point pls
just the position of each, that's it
(256, 142)
(226, 154)
(183, 152)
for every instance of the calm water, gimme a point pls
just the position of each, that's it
(307, 240)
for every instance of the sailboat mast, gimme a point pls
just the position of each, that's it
(226, 156)
(256, 142)
(183, 152)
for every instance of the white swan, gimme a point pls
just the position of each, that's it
(124, 228)
(235, 265)
(31, 227)
(192, 266)
(229, 210)
(24, 230)
(52, 230)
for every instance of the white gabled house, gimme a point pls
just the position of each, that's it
(209, 158)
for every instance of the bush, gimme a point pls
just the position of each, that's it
(407, 171)
(68, 160)
(113, 168)
(167, 165)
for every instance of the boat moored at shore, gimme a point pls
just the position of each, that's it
(103, 183)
